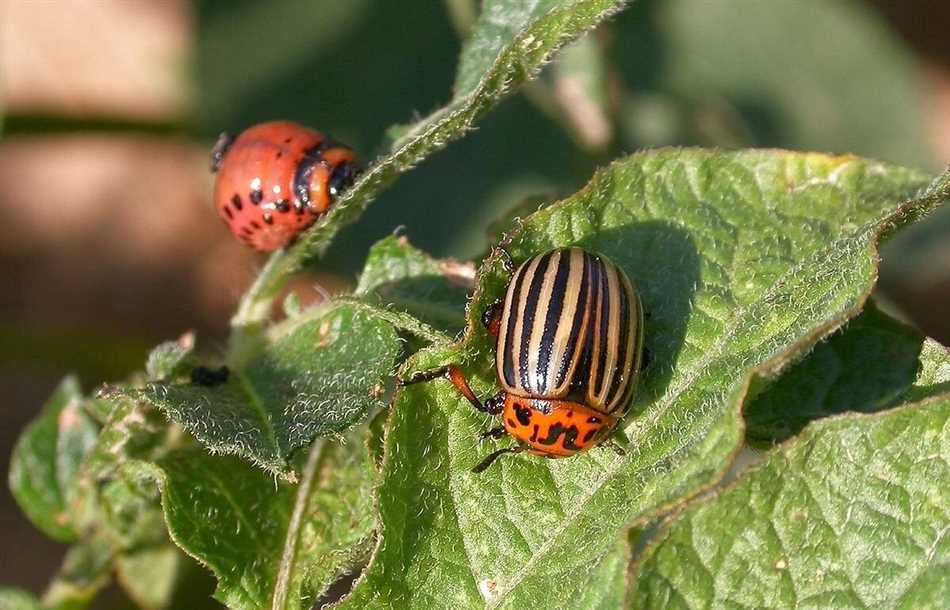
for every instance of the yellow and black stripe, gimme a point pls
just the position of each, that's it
(571, 328)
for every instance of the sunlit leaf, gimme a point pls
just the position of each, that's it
(851, 514)
(743, 261)
(270, 545)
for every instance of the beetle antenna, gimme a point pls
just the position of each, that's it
(494, 455)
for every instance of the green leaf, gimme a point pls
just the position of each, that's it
(132, 515)
(933, 375)
(148, 566)
(863, 367)
(495, 30)
(743, 261)
(164, 577)
(170, 358)
(270, 545)
(505, 59)
(46, 459)
(128, 515)
(133, 430)
(85, 572)
(320, 375)
(409, 280)
(17, 599)
(851, 514)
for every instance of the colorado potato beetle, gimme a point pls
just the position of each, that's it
(569, 346)
(275, 179)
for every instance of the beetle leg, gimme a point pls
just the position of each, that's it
(491, 318)
(423, 376)
(494, 432)
(494, 455)
(457, 377)
(616, 448)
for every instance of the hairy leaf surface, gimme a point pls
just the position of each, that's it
(270, 545)
(743, 261)
(409, 280)
(319, 375)
(865, 367)
(854, 513)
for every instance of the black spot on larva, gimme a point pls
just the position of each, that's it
(246, 230)
(280, 154)
(227, 211)
(288, 140)
(256, 225)
(511, 423)
(256, 196)
(593, 420)
(569, 414)
(204, 376)
(268, 218)
(523, 414)
(236, 202)
(534, 435)
(590, 434)
(282, 206)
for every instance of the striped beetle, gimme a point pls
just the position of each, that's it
(569, 350)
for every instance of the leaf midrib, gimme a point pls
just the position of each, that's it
(254, 400)
(292, 539)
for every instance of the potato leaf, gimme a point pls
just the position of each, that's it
(852, 514)
(743, 261)
(46, 460)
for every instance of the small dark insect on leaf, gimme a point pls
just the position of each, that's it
(209, 377)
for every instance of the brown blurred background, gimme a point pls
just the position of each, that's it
(108, 243)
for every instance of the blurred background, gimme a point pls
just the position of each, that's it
(109, 243)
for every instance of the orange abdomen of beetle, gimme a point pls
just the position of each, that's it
(555, 428)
